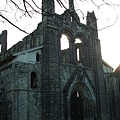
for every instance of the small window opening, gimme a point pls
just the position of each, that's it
(71, 19)
(0, 47)
(34, 80)
(78, 94)
(37, 57)
(1, 111)
(65, 48)
(78, 43)
(78, 54)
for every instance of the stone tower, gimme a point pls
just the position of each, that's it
(41, 81)
(51, 95)
(97, 66)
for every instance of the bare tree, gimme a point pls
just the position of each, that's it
(27, 8)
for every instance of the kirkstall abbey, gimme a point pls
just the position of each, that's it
(41, 81)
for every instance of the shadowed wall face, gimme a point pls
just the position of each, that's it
(3, 41)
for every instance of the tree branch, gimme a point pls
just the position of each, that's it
(12, 24)
(109, 25)
(24, 1)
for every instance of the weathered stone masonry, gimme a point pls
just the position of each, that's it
(39, 81)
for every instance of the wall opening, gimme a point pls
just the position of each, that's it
(78, 48)
(37, 57)
(78, 54)
(65, 55)
(1, 111)
(77, 112)
(0, 47)
(34, 80)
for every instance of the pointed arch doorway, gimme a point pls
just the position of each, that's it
(77, 106)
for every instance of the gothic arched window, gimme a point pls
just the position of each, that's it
(64, 44)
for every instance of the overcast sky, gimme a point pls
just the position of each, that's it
(106, 15)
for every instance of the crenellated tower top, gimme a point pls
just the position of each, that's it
(91, 20)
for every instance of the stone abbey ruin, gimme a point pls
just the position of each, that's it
(41, 81)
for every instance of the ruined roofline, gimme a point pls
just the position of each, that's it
(29, 50)
(12, 56)
(22, 45)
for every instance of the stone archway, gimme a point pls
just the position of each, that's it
(77, 110)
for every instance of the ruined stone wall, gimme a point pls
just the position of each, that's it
(42, 91)
(112, 88)
(25, 102)
(71, 76)
(32, 40)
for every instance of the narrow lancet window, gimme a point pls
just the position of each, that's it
(77, 94)
(78, 46)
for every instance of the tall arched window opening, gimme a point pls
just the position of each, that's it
(78, 54)
(78, 49)
(65, 55)
(34, 80)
